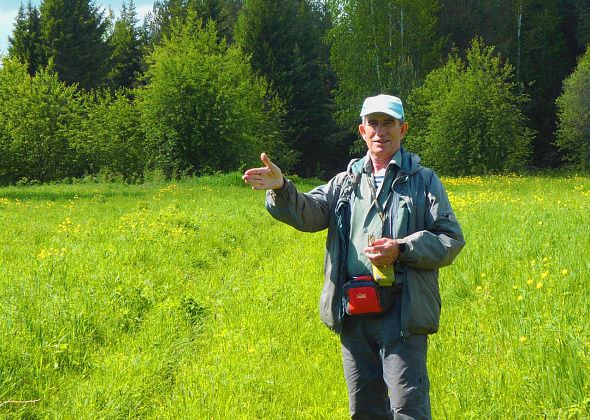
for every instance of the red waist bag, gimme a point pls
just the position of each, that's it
(361, 295)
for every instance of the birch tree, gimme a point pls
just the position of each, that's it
(380, 46)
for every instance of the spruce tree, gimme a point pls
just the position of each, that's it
(284, 38)
(223, 12)
(125, 42)
(158, 24)
(25, 43)
(73, 33)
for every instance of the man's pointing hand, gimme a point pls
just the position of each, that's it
(269, 177)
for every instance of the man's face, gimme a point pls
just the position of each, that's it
(383, 134)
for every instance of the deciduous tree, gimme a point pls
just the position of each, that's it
(466, 117)
(573, 134)
(381, 46)
(203, 109)
(40, 120)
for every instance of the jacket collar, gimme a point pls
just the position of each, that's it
(410, 164)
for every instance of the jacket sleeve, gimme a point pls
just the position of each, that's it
(442, 239)
(308, 212)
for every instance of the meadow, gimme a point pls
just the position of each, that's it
(187, 300)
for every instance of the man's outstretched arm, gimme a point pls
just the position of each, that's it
(308, 212)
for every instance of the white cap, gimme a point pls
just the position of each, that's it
(386, 104)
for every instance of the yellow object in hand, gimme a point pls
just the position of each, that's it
(385, 274)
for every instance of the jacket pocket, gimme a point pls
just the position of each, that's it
(421, 302)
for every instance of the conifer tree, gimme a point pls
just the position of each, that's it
(284, 38)
(73, 33)
(126, 55)
(159, 22)
(582, 8)
(25, 42)
(223, 12)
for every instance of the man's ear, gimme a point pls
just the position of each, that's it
(404, 128)
(362, 130)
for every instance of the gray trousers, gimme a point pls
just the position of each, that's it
(385, 373)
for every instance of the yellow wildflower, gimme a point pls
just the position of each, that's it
(539, 285)
(522, 339)
(544, 274)
(520, 297)
(564, 272)
(529, 281)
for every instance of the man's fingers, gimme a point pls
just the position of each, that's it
(376, 249)
(256, 171)
(268, 163)
(380, 241)
(264, 158)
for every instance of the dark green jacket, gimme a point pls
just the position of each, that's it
(432, 238)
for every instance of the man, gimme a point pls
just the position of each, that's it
(386, 216)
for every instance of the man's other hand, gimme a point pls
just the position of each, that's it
(268, 177)
(384, 251)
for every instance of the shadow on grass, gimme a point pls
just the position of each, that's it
(63, 192)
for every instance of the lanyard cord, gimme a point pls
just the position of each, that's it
(380, 210)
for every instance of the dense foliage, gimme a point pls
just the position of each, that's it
(25, 44)
(73, 37)
(203, 109)
(114, 146)
(40, 126)
(125, 63)
(284, 39)
(381, 46)
(288, 77)
(468, 118)
(573, 136)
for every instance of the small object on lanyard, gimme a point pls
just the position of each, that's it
(384, 275)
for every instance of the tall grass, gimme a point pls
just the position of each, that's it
(186, 300)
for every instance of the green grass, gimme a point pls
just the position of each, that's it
(186, 300)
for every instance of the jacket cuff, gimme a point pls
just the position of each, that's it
(403, 249)
(279, 195)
